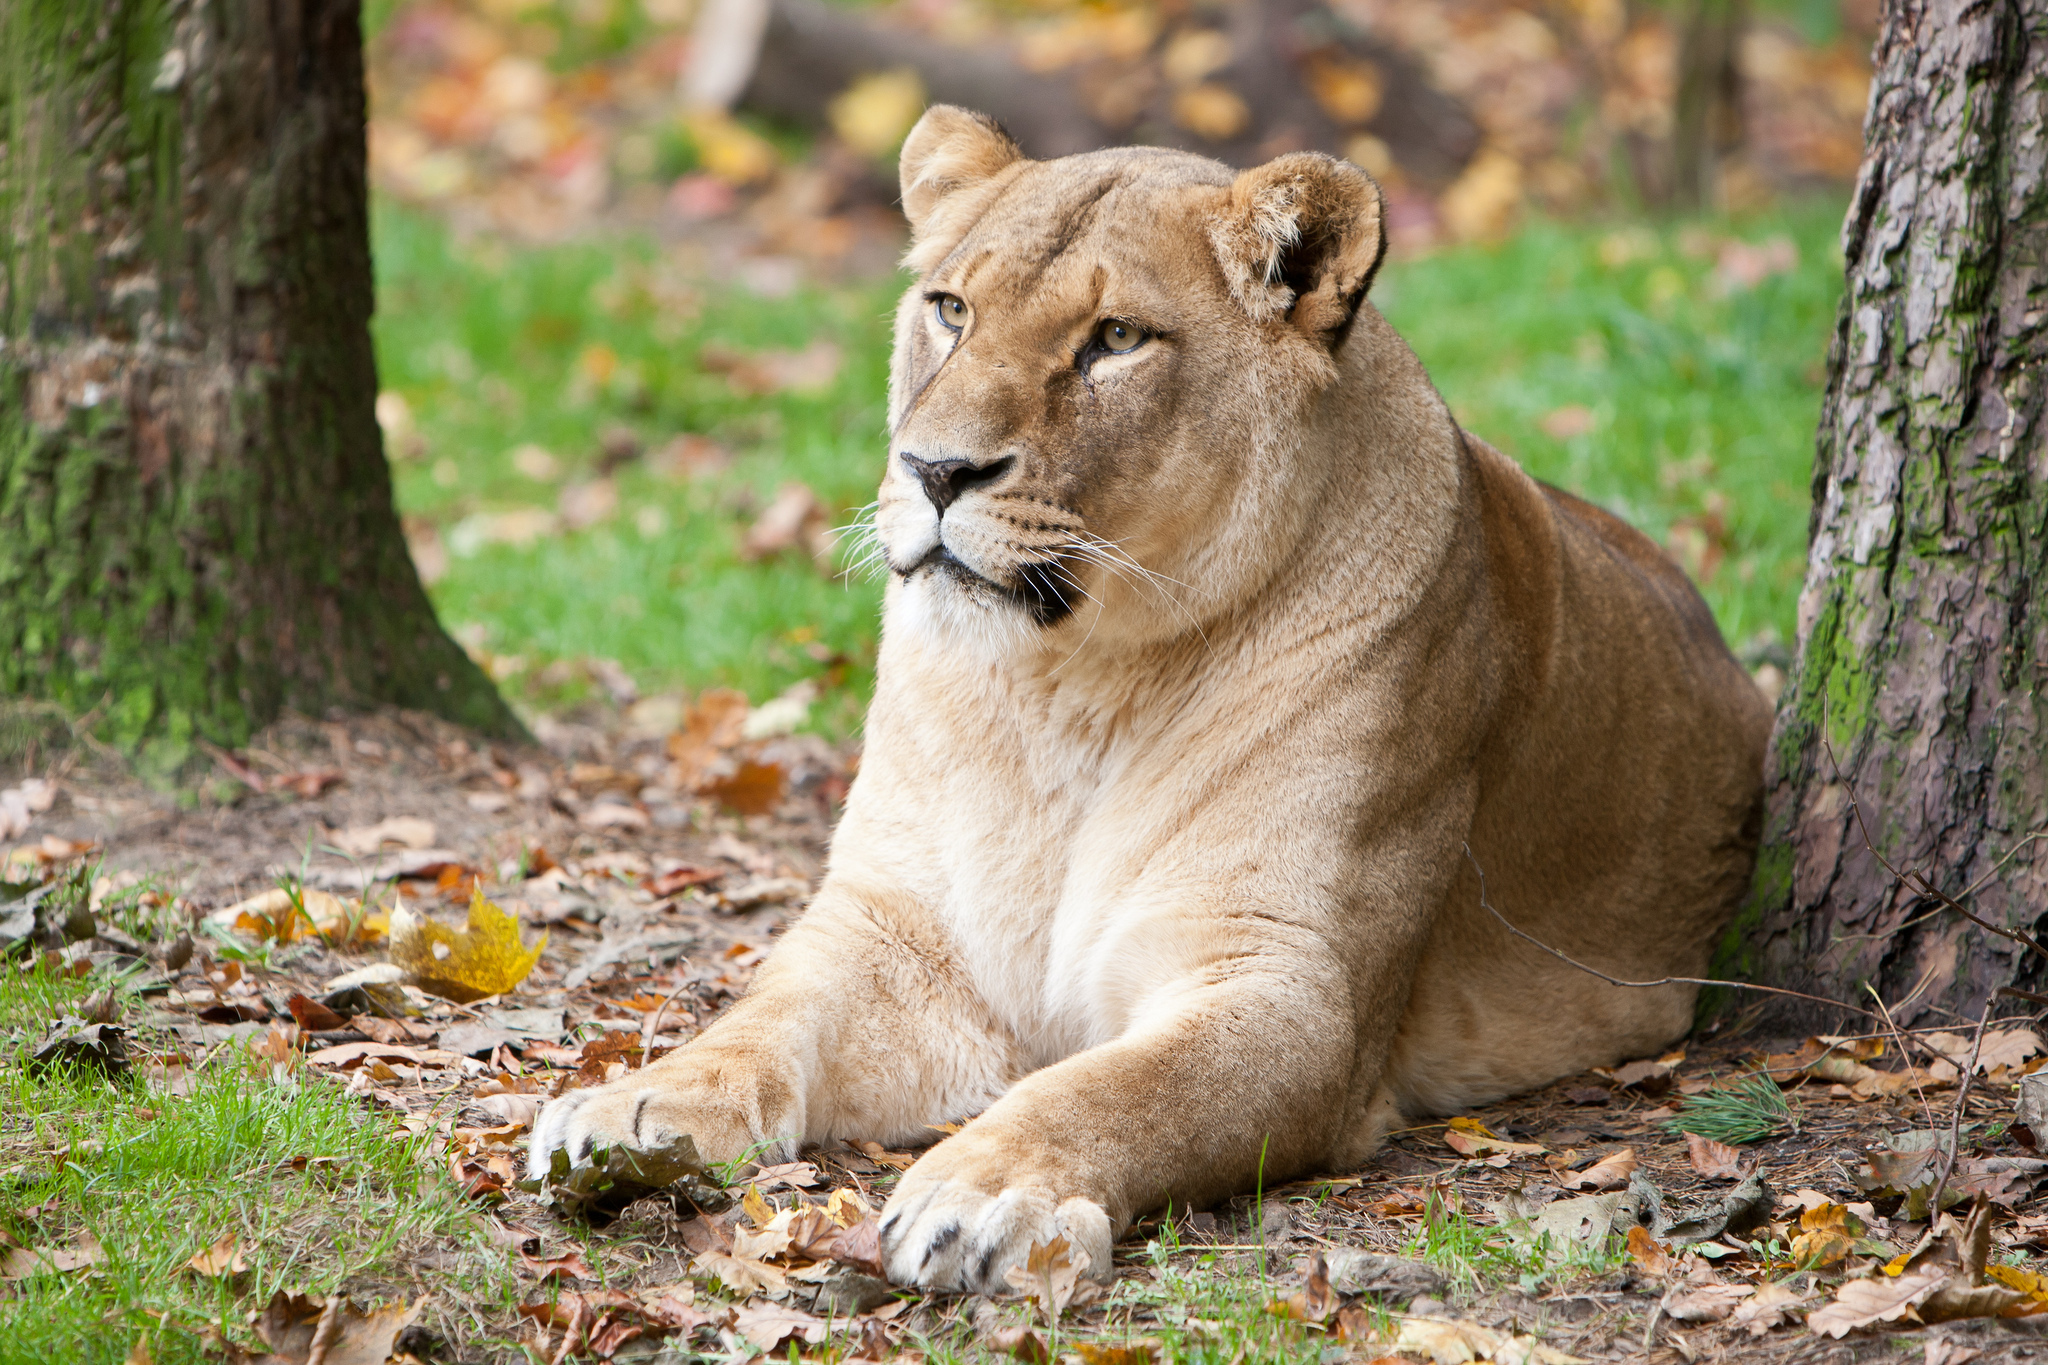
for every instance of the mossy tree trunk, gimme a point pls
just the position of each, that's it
(196, 522)
(1919, 686)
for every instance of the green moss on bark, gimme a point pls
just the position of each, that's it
(196, 524)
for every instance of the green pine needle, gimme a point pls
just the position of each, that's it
(1747, 1110)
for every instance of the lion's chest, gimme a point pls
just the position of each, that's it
(1028, 857)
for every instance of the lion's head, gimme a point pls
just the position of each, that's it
(1101, 374)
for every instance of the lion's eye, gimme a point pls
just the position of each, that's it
(1119, 338)
(952, 312)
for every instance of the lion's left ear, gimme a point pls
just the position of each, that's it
(1301, 237)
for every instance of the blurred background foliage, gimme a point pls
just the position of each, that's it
(635, 262)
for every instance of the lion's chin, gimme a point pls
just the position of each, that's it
(950, 606)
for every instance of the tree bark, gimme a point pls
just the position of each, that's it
(196, 521)
(1707, 117)
(1917, 695)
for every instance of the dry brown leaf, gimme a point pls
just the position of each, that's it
(752, 789)
(1049, 1275)
(1648, 1253)
(1609, 1173)
(1714, 1160)
(1475, 1145)
(1769, 1306)
(224, 1257)
(796, 519)
(1826, 1235)
(22, 1263)
(768, 1326)
(1021, 1342)
(1863, 1302)
(401, 831)
(1316, 1302)
(1704, 1303)
(1457, 1343)
(742, 1276)
(759, 1244)
(860, 1246)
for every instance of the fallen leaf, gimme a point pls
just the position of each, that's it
(860, 1246)
(742, 1276)
(485, 958)
(515, 1111)
(764, 372)
(1049, 1275)
(1021, 1342)
(768, 1326)
(1827, 1234)
(1648, 1253)
(1704, 1303)
(570, 1265)
(1456, 1343)
(751, 789)
(1316, 1302)
(1769, 1306)
(312, 1016)
(1473, 1145)
(224, 1257)
(1862, 1302)
(1714, 1160)
(1610, 1172)
(796, 519)
(759, 1244)
(846, 1207)
(23, 1263)
(400, 831)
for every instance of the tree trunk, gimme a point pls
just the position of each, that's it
(196, 523)
(1917, 696)
(1707, 119)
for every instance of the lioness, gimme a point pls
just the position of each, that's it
(1211, 644)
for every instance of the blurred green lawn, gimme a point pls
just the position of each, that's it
(1613, 361)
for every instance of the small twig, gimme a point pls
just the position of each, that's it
(651, 1025)
(1644, 985)
(1955, 1122)
(1904, 1056)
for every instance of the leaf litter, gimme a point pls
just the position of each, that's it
(1722, 1241)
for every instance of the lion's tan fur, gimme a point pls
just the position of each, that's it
(1179, 883)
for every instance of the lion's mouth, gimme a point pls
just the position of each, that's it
(1043, 589)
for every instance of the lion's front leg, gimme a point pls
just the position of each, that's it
(1187, 1106)
(856, 1026)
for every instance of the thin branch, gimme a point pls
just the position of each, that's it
(1904, 1056)
(1955, 1122)
(1644, 985)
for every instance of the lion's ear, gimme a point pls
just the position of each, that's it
(951, 150)
(1301, 236)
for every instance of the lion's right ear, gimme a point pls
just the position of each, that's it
(948, 155)
(1302, 236)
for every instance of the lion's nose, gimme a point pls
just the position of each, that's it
(945, 480)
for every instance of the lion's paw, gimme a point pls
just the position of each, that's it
(639, 1114)
(946, 1234)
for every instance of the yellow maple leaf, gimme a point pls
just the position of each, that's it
(484, 958)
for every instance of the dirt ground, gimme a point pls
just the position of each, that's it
(618, 837)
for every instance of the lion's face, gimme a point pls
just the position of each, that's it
(1091, 373)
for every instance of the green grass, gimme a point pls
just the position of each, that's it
(1702, 411)
(495, 348)
(155, 1177)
